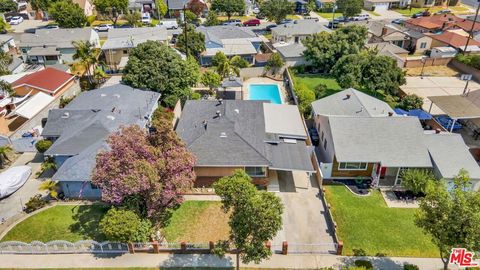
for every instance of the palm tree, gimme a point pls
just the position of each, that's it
(51, 187)
(86, 52)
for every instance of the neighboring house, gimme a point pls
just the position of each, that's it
(16, 66)
(231, 40)
(390, 50)
(50, 81)
(422, 3)
(300, 6)
(292, 54)
(408, 39)
(296, 31)
(7, 43)
(142, 6)
(53, 46)
(266, 140)
(438, 23)
(443, 52)
(379, 5)
(454, 40)
(86, 5)
(361, 137)
(175, 7)
(323, 4)
(80, 129)
(121, 40)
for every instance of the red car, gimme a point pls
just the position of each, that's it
(252, 22)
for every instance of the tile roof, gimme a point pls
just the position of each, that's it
(49, 80)
(453, 39)
(441, 21)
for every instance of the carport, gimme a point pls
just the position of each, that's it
(456, 107)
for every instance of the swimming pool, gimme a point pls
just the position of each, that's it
(265, 92)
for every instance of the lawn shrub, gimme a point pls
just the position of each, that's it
(321, 90)
(43, 145)
(363, 263)
(408, 266)
(469, 60)
(359, 252)
(36, 202)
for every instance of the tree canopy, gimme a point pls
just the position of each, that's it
(229, 7)
(277, 10)
(211, 79)
(350, 8)
(417, 180)
(119, 225)
(162, 8)
(212, 19)
(145, 172)
(8, 6)
(410, 102)
(111, 8)
(255, 216)
(275, 62)
(157, 67)
(324, 49)
(133, 18)
(5, 60)
(451, 216)
(227, 67)
(68, 14)
(195, 41)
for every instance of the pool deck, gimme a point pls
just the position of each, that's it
(259, 80)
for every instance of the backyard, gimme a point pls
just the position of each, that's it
(366, 223)
(193, 221)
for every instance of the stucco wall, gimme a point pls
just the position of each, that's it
(72, 189)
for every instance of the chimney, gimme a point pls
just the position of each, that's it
(205, 124)
(348, 96)
(390, 113)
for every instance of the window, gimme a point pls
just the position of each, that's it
(51, 57)
(423, 45)
(256, 171)
(325, 145)
(359, 166)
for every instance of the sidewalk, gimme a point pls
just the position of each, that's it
(197, 260)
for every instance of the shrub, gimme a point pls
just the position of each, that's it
(43, 145)
(91, 19)
(196, 96)
(359, 252)
(125, 226)
(36, 202)
(64, 101)
(363, 263)
(408, 266)
(305, 98)
(416, 180)
(321, 90)
(410, 102)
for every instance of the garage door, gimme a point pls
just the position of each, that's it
(381, 6)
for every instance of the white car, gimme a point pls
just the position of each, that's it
(103, 27)
(16, 20)
(169, 24)
(146, 19)
(361, 17)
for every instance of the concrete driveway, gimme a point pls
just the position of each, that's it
(13, 204)
(387, 15)
(27, 24)
(305, 225)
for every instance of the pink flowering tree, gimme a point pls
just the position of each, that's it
(146, 172)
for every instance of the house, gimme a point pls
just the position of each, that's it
(7, 43)
(292, 54)
(408, 39)
(175, 7)
(52, 46)
(296, 31)
(378, 5)
(422, 3)
(50, 81)
(454, 40)
(361, 137)
(86, 5)
(300, 6)
(121, 40)
(231, 40)
(443, 52)
(266, 140)
(80, 129)
(438, 23)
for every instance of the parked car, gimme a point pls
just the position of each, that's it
(314, 136)
(13, 178)
(270, 26)
(233, 22)
(361, 17)
(50, 26)
(421, 14)
(169, 24)
(103, 27)
(252, 22)
(16, 20)
(146, 19)
(398, 21)
(443, 11)
(311, 18)
(260, 16)
(341, 19)
(256, 10)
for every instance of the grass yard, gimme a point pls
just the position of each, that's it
(197, 222)
(312, 81)
(61, 222)
(293, 17)
(329, 15)
(458, 10)
(241, 18)
(367, 223)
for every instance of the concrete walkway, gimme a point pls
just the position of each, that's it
(196, 260)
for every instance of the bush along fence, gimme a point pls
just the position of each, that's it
(93, 247)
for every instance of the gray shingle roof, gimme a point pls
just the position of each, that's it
(237, 137)
(60, 38)
(215, 34)
(232, 82)
(299, 27)
(130, 37)
(450, 154)
(392, 141)
(5, 38)
(385, 48)
(16, 62)
(356, 104)
(291, 50)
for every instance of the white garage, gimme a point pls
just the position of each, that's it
(379, 5)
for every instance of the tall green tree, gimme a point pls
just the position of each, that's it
(133, 18)
(8, 6)
(5, 60)
(192, 18)
(111, 9)
(255, 216)
(350, 8)
(159, 68)
(68, 14)
(410, 102)
(229, 7)
(324, 49)
(277, 10)
(194, 41)
(212, 19)
(87, 54)
(451, 216)
(162, 8)
(210, 79)
(275, 63)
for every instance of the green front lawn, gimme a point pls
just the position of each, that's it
(61, 222)
(367, 223)
(197, 222)
(329, 15)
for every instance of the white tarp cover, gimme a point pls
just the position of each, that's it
(34, 105)
(13, 179)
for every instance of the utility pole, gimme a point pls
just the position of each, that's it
(470, 34)
(185, 28)
(333, 15)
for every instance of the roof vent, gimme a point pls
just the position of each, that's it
(237, 110)
(220, 101)
(218, 113)
(103, 95)
(111, 117)
(390, 113)
(347, 96)
(65, 115)
(223, 134)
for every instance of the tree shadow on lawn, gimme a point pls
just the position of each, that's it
(87, 219)
(380, 263)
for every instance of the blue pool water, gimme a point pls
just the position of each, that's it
(265, 92)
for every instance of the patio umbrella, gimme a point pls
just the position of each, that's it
(421, 114)
(400, 111)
